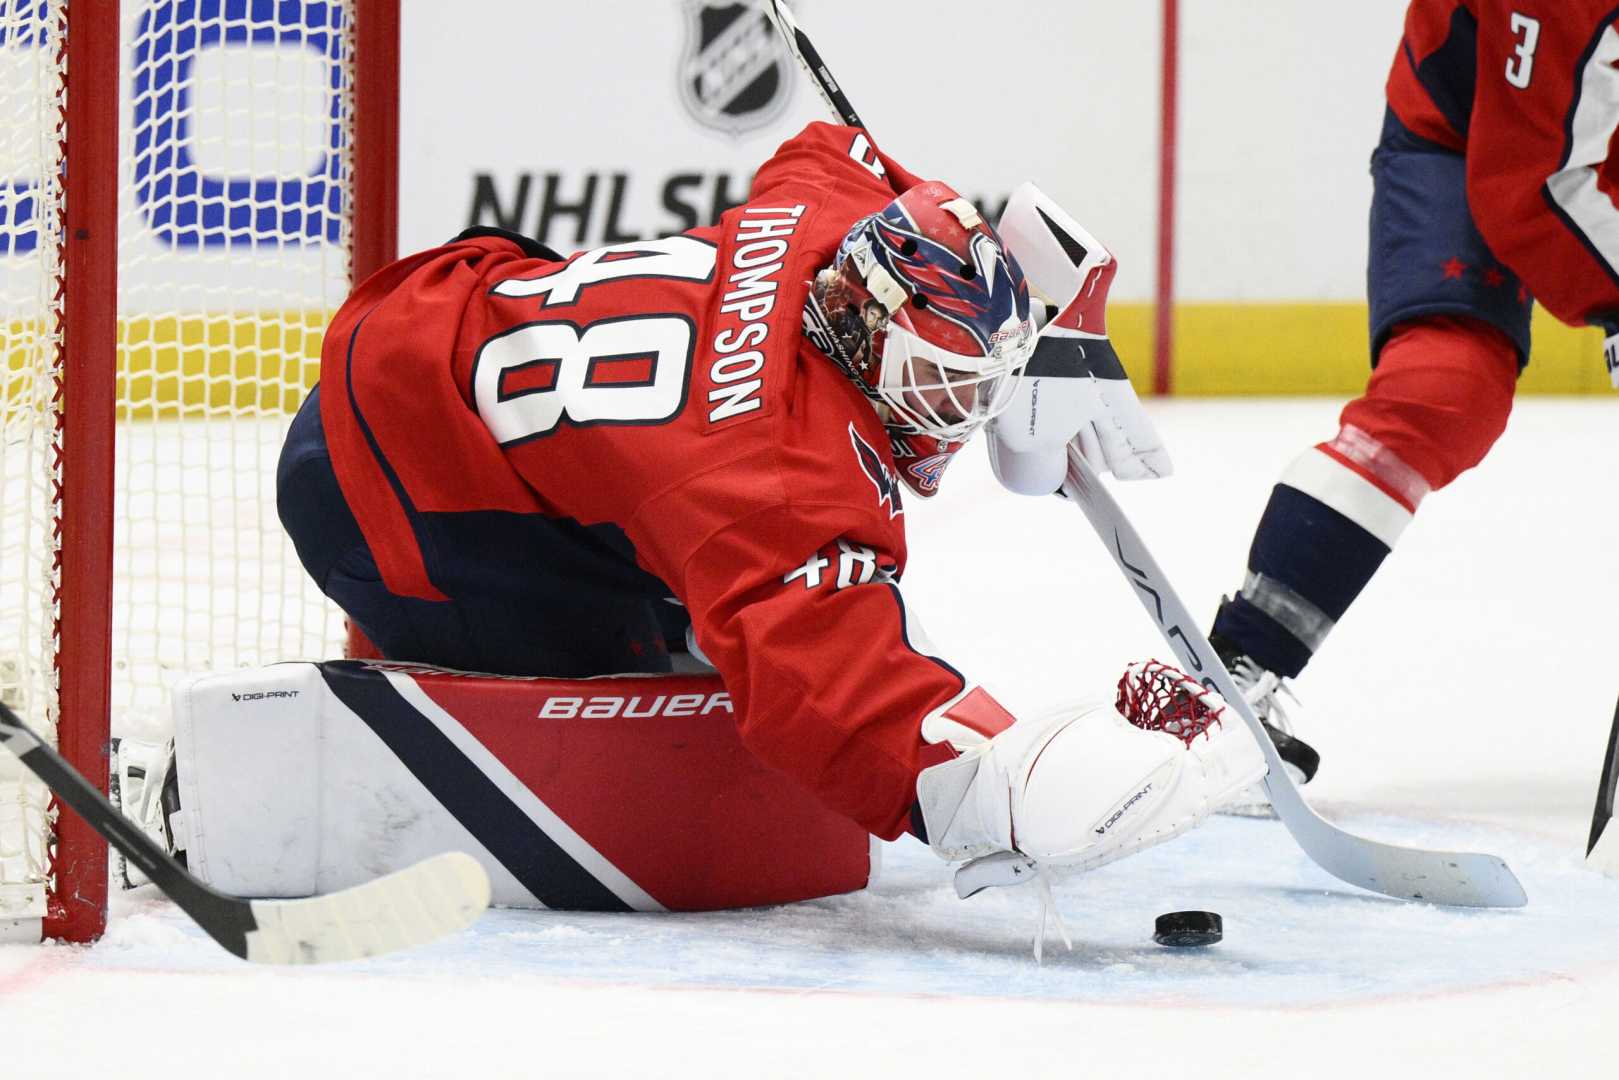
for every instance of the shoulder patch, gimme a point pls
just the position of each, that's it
(871, 463)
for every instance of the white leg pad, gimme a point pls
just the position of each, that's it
(274, 795)
(301, 779)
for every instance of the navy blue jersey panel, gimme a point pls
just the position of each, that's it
(1449, 73)
(528, 595)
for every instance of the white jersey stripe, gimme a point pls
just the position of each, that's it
(1324, 478)
(1591, 129)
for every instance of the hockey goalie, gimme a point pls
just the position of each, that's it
(657, 491)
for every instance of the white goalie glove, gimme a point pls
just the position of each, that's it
(1087, 784)
(1074, 388)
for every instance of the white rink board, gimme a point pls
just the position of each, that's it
(1279, 114)
(1280, 107)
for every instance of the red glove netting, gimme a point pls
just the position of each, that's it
(1156, 697)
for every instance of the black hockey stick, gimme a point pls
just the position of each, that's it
(1606, 859)
(1439, 877)
(810, 60)
(415, 905)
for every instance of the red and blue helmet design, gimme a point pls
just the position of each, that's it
(929, 314)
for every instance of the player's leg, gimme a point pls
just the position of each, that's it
(527, 595)
(1450, 329)
(1435, 405)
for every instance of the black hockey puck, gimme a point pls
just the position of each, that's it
(1183, 929)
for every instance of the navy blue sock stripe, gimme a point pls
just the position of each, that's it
(555, 878)
(1314, 550)
(1318, 553)
(1251, 632)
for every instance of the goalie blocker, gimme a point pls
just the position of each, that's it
(610, 794)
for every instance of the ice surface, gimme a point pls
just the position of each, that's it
(1463, 703)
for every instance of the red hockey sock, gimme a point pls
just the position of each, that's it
(1440, 396)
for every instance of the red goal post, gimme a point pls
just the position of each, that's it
(193, 187)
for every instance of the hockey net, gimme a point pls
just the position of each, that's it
(237, 230)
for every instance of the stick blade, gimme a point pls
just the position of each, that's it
(1480, 880)
(1602, 851)
(413, 906)
(1450, 878)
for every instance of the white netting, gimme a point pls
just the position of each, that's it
(233, 251)
(31, 122)
(235, 145)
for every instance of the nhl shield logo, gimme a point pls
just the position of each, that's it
(735, 75)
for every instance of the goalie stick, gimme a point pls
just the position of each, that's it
(1439, 877)
(411, 907)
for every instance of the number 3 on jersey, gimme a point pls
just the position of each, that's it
(1521, 66)
(629, 370)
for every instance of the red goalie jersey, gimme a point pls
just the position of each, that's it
(1529, 91)
(665, 388)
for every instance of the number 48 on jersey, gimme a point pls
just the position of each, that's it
(632, 369)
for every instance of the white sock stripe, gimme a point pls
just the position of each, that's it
(1293, 612)
(1596, 117)
(1361, 448)
(1323, 477)
(543, 816)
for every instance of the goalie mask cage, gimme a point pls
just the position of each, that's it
(189, 189)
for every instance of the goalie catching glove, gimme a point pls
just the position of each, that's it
(1084, 785)
(1073, 388)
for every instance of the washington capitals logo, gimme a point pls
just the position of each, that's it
(734, 75)
(871, 463)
